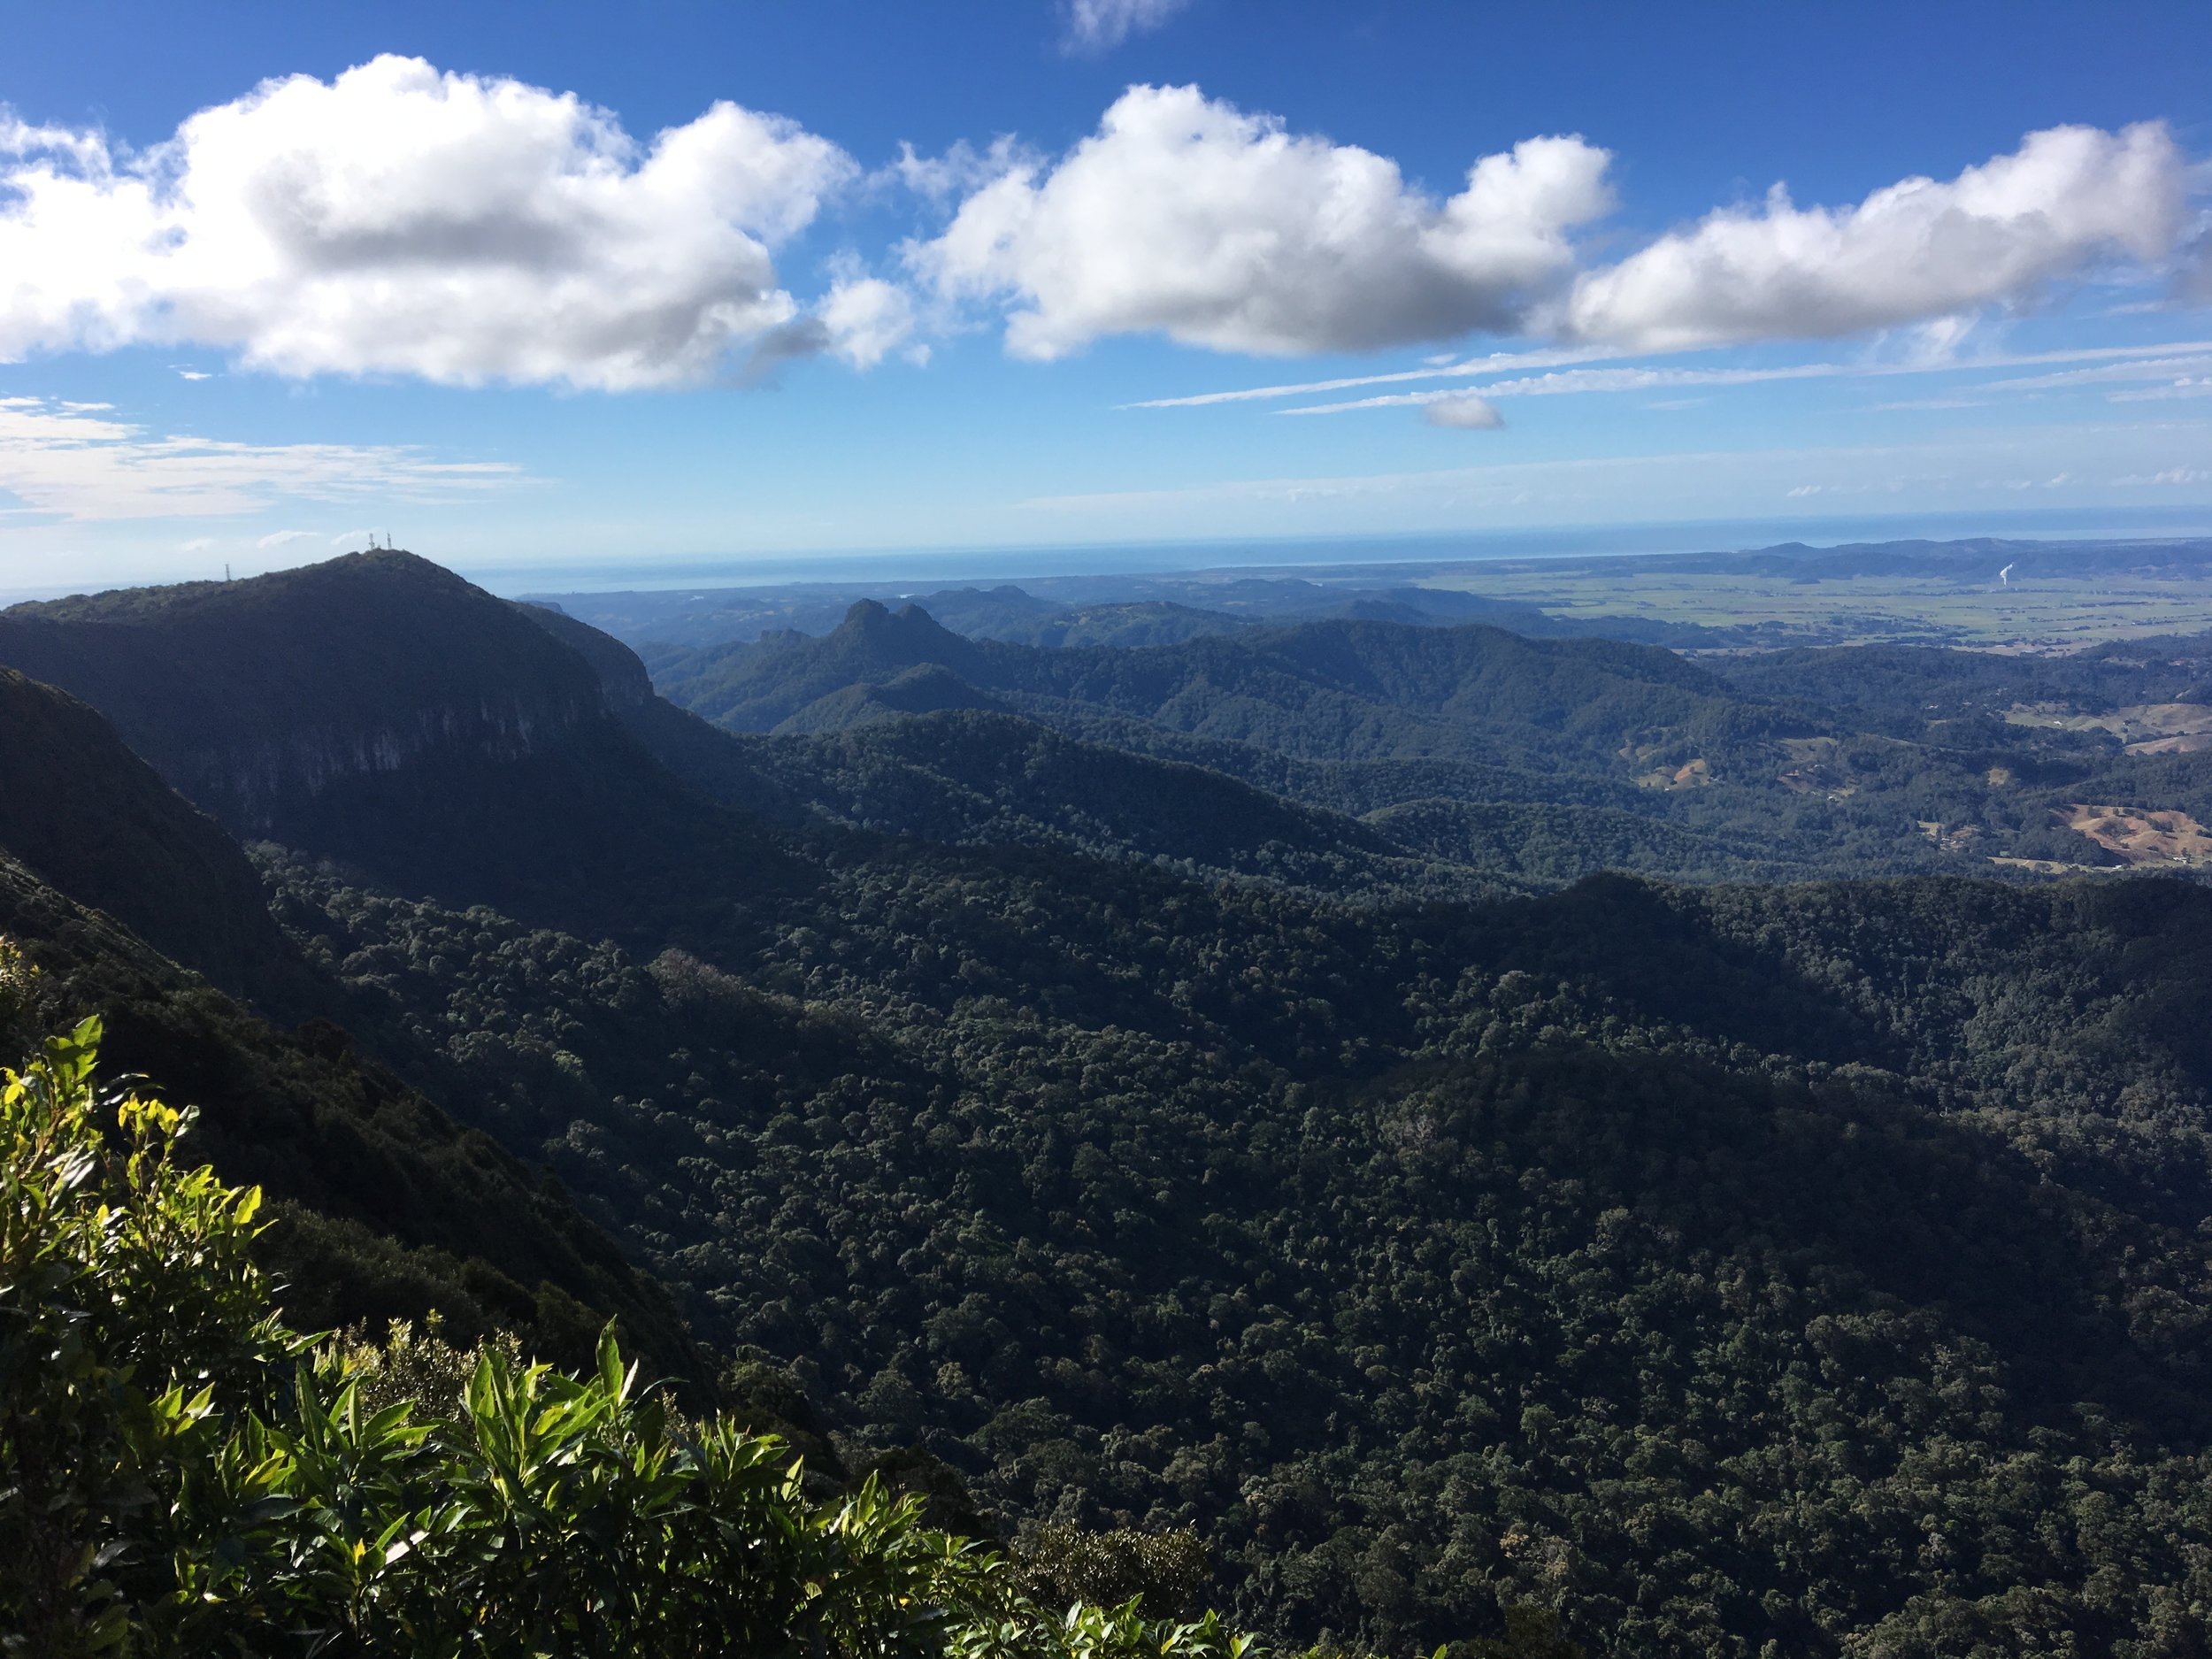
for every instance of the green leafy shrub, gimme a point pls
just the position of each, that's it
(1163, 1573)
(19, 989)
(180, 1474)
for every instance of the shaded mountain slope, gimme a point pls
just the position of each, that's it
(928, 688)
(384, 1209)
(623, 682)
(1435, 1261)
(981, 778)
(92, 819)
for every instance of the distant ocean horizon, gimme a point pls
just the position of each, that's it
(955, 564)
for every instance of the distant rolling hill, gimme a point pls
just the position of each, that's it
(1348, 690)
(1125, 611)
(1863, 760)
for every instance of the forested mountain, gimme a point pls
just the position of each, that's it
(385, 1208)
(1736, 1270)
(1687, 1261)
(974, 778)
(381, 711)
(1335, 691)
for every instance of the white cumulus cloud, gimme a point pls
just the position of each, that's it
(1185, 216)
(1919, 248)
(396, 220)
(864, 318)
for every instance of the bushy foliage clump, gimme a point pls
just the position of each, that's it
(181, 1473)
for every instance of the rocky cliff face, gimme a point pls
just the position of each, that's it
(623, 680)
(254, 697)
(252, 786)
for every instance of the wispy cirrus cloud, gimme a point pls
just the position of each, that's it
(1565, 381)
(1583, 374)
(81, 463)
(1496, 363)
(2188, 386)
(1099, 26)
(2184, 363)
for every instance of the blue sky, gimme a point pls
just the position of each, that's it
(529, 286)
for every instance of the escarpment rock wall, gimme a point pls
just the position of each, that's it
(249, 786)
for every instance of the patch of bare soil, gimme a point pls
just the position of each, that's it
(1695, 775)
(2145, 728)
(2139, 835)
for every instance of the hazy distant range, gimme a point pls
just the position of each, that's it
(1030, 565)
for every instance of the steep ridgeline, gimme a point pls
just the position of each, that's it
(382, 710)
(385, 1208)
(89, 817)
